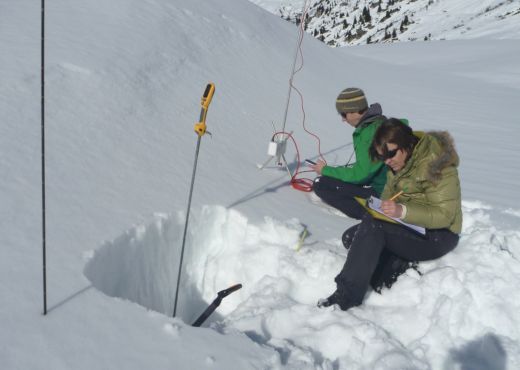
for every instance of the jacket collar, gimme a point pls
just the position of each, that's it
(374, 111)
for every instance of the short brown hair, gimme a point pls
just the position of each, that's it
(396, 132)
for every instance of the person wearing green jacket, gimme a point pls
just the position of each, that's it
(423, 173)
(337, 186)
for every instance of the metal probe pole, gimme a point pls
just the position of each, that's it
(200, 129)
(186, 225)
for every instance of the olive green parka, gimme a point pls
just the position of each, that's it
(430, 183)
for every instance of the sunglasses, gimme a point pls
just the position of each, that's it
(389, 154)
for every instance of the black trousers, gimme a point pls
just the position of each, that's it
(389, 266)
(371, 238)
(340, 195)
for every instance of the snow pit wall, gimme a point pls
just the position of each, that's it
(142, 264)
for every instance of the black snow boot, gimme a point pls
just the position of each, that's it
(329, 301)
(336, 298)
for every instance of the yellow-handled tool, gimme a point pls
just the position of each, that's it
(200, 127)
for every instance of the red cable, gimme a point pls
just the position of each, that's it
(305, 128)
(302, 184)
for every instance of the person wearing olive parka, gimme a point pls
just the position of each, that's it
(423, 166)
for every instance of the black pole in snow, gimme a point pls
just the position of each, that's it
(43, 157)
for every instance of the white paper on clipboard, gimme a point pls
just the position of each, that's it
(375, 204)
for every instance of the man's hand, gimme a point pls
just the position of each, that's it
(318, 166)
(391, 208)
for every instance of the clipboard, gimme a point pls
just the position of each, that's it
(373, 206)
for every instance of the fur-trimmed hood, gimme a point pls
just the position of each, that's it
(436, 149)
(447, 157)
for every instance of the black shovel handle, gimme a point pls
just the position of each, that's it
(213, 306)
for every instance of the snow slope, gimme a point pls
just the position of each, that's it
(123, 83)
(340, 23)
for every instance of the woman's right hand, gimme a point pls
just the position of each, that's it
(391, 208)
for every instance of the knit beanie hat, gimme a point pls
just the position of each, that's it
(351, 100)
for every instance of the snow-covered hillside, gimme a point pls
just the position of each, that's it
(123, 86)
(340, 23)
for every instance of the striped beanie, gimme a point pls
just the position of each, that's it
(351, 100)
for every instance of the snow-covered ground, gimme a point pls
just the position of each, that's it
(123, 87)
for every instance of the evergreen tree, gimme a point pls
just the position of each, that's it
(366, 15)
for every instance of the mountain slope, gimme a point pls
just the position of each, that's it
(340, 23)
(123, 86)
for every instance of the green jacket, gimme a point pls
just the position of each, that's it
(364, 171)
(430, 184)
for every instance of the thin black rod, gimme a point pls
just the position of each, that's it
(44, 237)
(186, 225)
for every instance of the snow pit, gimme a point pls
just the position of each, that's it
(462, 302)
(221, 249)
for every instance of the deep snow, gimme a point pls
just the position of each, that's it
(123, 83)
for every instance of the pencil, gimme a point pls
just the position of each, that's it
(395, 196)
